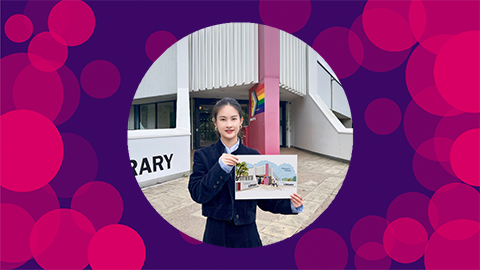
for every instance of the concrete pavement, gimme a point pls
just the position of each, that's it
(319, 179)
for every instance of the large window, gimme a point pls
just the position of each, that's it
(152, 116)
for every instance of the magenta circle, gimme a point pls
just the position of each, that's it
(372, 251)
(321, 249)
(71, 97)
(460, 86)
(336, 45)
(367, 229)
(18, 28)
(73, 21)
(418, 124)
(374, 58)
(189, 239)
(79, 157)
(410, 205)
(38, 91)
(116, 247)
(453, 246)
(364, 264)
(29, 200)
(46, 53)
(157, 43)
(18, 141)
(60, 238)
(383, 116)
(465, 157)
(431, 174)
(100, 79)
(405, 240)
(10, 66)
(454, 201)
(100, 202)
(387, 29)
(289, 16)
(15, 230)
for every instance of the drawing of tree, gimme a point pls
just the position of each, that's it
(241, 170)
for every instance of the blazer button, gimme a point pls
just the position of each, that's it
(221, 177)
(237, 216)
(218, 182)
(214, 186)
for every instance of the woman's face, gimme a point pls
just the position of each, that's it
(228, 122)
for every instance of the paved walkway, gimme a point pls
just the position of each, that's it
(319, 179)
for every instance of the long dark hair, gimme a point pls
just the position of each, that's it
(226, 101)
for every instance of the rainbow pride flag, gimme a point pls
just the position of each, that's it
(258, 100)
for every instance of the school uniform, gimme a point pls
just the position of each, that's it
(230, 223)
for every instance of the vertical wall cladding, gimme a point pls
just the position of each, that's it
(293, 64)
(223, 55)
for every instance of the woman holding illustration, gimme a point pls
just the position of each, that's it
(230, 223)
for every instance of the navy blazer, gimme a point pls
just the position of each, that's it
(211, 186)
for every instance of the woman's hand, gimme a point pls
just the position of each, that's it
(229, 160)
(296, 199)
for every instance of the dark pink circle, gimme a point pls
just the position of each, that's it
(336, 45)
(29, 200)
(405, 240)
(387, 29)
(73, 21)
(436, 149)
(289, 16)
(116, 247)
(453, 247)
(372, 251)
(46, 53)
(418, 124)
(100, 79)
(431, 174)
(10, 66)
(454, 201)
(321, 249)
(79, 157)
(410, 205)
(60, 238)
(18, 28)
(383, 116)
(71, 97)
(374, 58)
(18, 141)
(189, 239)
(460, 86)
(367, 229)
(15, 230)
(465, 157)
(38, 91)
(100, 202)
(157, 43)
(364, 264)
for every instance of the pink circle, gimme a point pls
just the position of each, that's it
(46, 53)
(116, 247)
(10, 66)
(38, 91)
(80, 157)
(383, 116)
(405, 240)
(374, 58)
(418, 124)
(453, 246)
(100, 79)
(15, 230)
(336, 45)
(18, 142)
(59, 240)
(71, 97)
(289, 16)
(18, 28)
(321, 249)
(465, 157)
(29, 200)
(430, 174)
(460, 86)
(382, 264)
(157, 43)
(73, 21)
(387, 29)
(367, 229)
(372, 251)
(189, 239)
(410, 205)
(454, 201)
(100, 202)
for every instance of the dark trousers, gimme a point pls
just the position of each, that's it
(227, 234)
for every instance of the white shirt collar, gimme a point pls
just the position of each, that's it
(233, 148)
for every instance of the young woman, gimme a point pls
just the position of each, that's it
(230, 223)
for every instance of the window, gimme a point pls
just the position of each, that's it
(152, 116)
